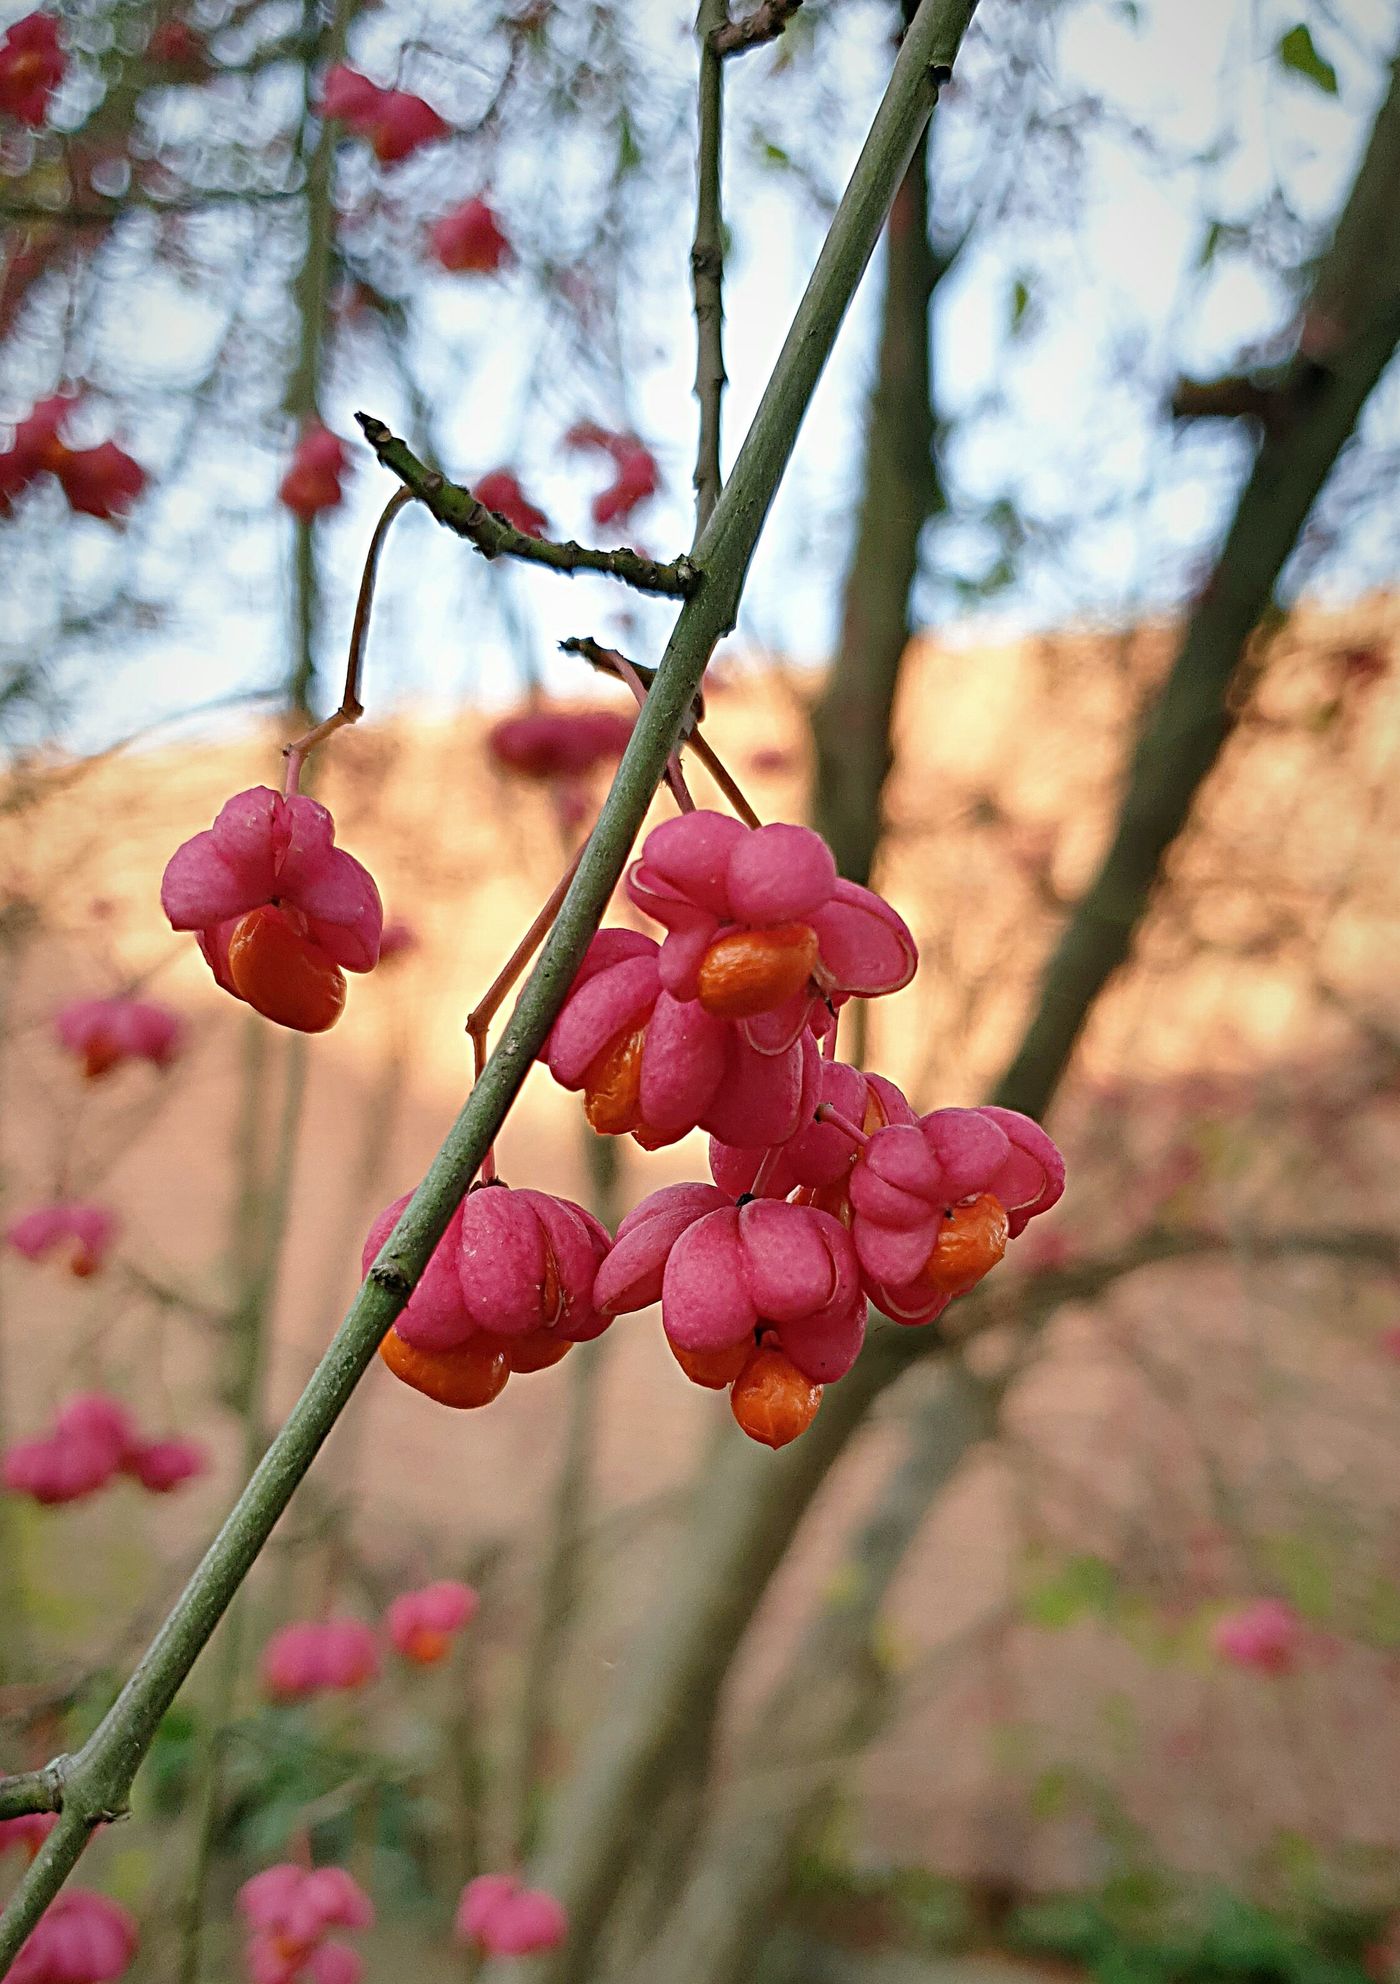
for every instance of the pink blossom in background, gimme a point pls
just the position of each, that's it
(470, 241)
(422, 1623)
(81, 1938)
(1388, 1342)
(313, 480)
(163, 1465)
(32, 65)
(559, 744)
(636, 475)
(100, 482)
(28, 1832)
(501, 1917)
(290, 1911)
(106, 1032)
(318, 1656)
(85, 1232)
(501, 491)
(395, 123)
(1265, 1635)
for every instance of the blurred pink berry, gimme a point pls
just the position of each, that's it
(470, 241)
(106, 1032)
(81, 1938)
(1388, 1342)
(289, 1911)
(1265, 1635)
(395, 123)
(335, 1963)
(559, 744)
(100, 482)
(164, 1465)
(32, 65)
(266, 856)
(28, 1832)
(637, 479)
(91, 1439)
(503, 1918)
(422, 1623)
(500, 491)
(175, 42)
(316, 1657)
(637, 476)
(84, 1231)
(312, 481)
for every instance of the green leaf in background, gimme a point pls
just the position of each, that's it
(1303, 1568)
(1081, 1585)
(1298, 51)
(1020, 304)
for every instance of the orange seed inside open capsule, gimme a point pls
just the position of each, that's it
(748, 972)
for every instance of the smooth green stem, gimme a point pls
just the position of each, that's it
(98, 1780)
(707, 263)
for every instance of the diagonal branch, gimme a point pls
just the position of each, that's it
(97, 1781)
(493, 537)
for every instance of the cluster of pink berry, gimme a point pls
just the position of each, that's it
(92, 1440)
(99, 482)
(336, 1656)
(32, 66)
(635, 473)
(395, 123)
(828, 1193)
(289, 1913)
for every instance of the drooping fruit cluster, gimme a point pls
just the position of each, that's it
(93, 1440)
(830, 1193)
(78, 1231)
(280, 912)
(289, 1912)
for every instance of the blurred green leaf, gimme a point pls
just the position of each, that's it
(1020, 304)
(1303, 1569)
(1081, 1585)
(1298, 51)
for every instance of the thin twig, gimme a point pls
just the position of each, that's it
(707, 261)
(351, 708)
(765, 23)
(493, 537)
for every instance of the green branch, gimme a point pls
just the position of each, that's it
(96, 1782)
(493, 537)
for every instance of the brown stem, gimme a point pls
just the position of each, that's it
(351, 708)
(722, 776)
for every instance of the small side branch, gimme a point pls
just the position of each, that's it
(707, 260)
(493, 537)
(33, 1790)
(765, 23)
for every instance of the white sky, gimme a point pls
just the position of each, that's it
(1115, 290)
